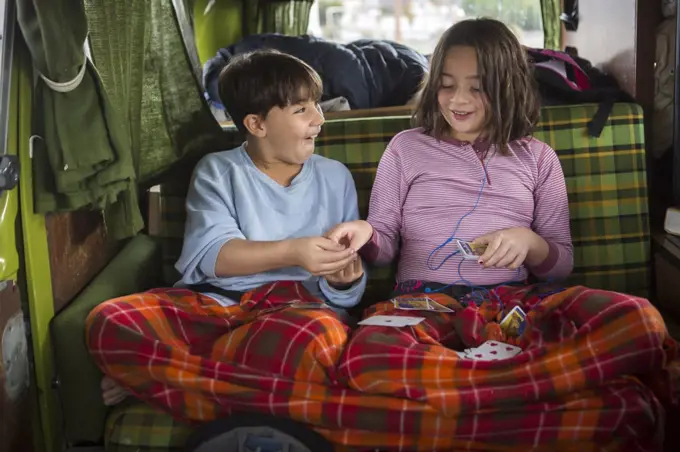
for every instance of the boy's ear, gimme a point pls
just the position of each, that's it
(255, 125)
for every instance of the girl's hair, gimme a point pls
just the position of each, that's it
(507, 82)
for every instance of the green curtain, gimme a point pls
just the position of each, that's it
(552, 27)
(84, 159)
(138, 48)
(284, 16)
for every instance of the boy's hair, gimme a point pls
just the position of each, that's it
(506, 78)
(256, 82)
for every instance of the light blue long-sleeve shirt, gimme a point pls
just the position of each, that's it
(230, 198)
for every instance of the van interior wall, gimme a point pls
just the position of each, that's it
(619, 36)
(79, 249)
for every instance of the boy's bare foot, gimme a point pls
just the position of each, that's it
(112, 392)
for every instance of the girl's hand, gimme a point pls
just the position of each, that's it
(509, 248)
(345, 278)
(353, 234)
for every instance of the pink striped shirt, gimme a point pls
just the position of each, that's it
(424, 186)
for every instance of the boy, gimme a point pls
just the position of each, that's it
(257, 214)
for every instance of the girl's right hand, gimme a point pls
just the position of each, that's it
(353, 234)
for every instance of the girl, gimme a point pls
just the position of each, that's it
(470, 171)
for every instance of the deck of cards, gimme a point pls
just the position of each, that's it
(514, 322)
(470, 250)
(419, 304)
(490, 351)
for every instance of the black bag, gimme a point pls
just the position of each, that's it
(566, 80)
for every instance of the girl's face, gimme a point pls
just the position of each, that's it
(460, 98)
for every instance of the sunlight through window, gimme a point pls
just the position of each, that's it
(419, 23)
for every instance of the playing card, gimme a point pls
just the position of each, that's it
(514, 322)
(420, 304)
(470, 250)
(308, 305)
(436, 307)
(391, 320)
(493, 351)
(462, 355)
(416, 304)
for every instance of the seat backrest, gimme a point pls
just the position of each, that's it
(606, 182)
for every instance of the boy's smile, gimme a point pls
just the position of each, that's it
(290, 132)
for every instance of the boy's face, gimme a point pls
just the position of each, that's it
(290, 131)
(460, 98)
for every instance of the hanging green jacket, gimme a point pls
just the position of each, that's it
(84, 159)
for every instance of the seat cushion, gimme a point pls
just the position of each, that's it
(133, 427)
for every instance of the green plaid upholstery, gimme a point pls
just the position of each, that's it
(605, 178)
(606, 181)
(139, 427)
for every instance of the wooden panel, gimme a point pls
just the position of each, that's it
(79, 248)
(660, 175)
(666, 263)
(648, 18)
(15, 411)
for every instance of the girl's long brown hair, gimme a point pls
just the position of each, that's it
(507, 81)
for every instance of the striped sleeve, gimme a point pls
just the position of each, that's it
(551, 217)
(384, 211)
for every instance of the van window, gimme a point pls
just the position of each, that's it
(419, 23)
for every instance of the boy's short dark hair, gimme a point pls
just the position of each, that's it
(256, 82)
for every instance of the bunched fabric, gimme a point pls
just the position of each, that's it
(596, 368)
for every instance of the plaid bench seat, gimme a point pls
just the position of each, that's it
(605, 179)
(606, 182)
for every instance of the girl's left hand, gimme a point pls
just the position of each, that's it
(507, 248)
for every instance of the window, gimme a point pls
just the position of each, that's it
(419, 23)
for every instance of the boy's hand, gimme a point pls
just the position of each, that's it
(345, 278)
(320, 256)
(509, 248)
(354, 234)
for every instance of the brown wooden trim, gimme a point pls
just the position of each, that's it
(399, 110)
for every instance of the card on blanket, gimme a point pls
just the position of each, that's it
(490, 351)
(514, 322)
(391, 320)
(420, 304)
(308, 305)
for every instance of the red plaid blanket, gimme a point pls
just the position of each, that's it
(595, 366)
